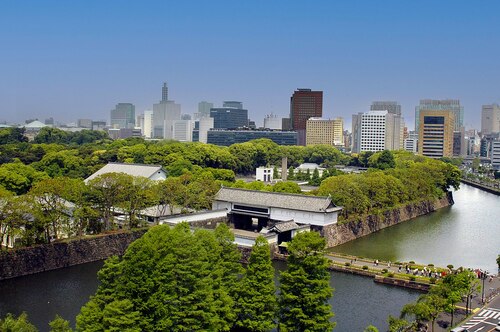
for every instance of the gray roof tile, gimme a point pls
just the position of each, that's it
(272, 199)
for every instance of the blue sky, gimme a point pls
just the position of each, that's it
(77, 59)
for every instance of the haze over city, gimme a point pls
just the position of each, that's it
(79, 59)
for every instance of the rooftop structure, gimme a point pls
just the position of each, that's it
(153, 172)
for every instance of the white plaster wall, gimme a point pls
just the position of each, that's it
(304, 217)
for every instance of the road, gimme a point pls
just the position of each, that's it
(485, 319)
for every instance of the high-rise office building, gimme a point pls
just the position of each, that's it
(490, 119)
(229, 117)
(123, 116)
(164, 113)
(272, 121)
(304, 104)
(435, 133)
(233, 104)
(389, 106)
(325, 131)
(203, 110)
(145, 122)
(377, 131)
(182, 130)
(452, 105)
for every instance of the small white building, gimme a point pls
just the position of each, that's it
(264, 174)
(309, 167)
(152, 172)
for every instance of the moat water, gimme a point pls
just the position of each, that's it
(466, 234)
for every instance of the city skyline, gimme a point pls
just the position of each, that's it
(79, 60)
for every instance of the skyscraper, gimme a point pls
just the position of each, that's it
(435, 133)
(203, 110)
(490, 119)
(390, 106)
(231, 116)
(304, 104)
(452, 105)
(377, 131)
(164, 115)
(123, 116)
(325, 131)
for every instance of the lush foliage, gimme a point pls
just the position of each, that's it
(305, 288)
(414, 178)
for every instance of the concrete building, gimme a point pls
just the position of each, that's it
(264, 174)
(274, 122)
(389, 106)
(227, 137)
(84, 123)
(232, 104)
(123, 116)
(325, 131)
(205, 124)
(182, 130)
(431, 105)
(495, 154)
(490, 119)
(435, 134)
(164, 114)
(98, 125)
(229, 117)
(203, 110)
(304, 104)
(377, 131)
(411, 143)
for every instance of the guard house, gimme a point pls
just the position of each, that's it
(254, 210)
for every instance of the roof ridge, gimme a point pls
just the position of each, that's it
(276, 193)
(134, 164)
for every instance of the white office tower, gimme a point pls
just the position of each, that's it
(272, 121)
(377, 131)
(145, 122)
(490, 119)
(205, 125)
(182, 130)
(164, 115)
(411, 143)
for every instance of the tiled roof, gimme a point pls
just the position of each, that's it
(284, 226)
(131, 169)
(280, 200)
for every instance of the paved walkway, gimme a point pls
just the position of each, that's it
(442, 323)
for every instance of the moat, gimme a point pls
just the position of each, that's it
(465, 234)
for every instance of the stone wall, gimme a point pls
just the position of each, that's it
(24, 261)
(342, 233)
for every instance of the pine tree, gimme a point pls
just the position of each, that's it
(305, 288)
(256, 303)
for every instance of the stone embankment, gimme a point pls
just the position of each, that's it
(351, 230)
(481, 186)
(24, 261)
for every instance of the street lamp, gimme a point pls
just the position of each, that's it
(484, 276)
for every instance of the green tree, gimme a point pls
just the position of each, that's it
(170, 279)
(291, 173)
(305, 288)
(20, 324)
(256, 299)
(275, 173)
(427, 308)
(370, 328)
(59, 324)
(382, 160)
(315, 179)
(287, 187)
(400, 325)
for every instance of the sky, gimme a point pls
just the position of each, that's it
(78, 59)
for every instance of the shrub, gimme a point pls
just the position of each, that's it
(390, 275)
(450, 266)
(365, 267)
(411, 262)
(430, 265)
(347, 264)
(384, 270)
(432, 280)
(413, 278)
